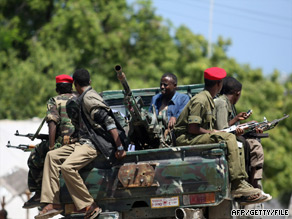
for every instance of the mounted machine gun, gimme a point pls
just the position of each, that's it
(146, 130)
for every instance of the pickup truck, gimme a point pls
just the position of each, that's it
(156, 182)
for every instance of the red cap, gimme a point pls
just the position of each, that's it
(214, 73)
(64, 79)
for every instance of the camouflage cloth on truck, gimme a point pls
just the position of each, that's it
(56, 112)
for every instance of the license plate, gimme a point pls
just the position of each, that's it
(165, 202)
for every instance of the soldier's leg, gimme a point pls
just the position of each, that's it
(256, 164)
(235, 158)
(31, 179)
(50, 182)
(36, 164)
(240, 188)
(244, 157)
(256, 160)
(82, 156)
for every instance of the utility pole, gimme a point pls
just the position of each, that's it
(210, 29)
(27, 192)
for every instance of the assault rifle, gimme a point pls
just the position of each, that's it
(31, 136)
(24, 147)
(251, 127)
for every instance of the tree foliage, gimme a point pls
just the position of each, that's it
(40, 39)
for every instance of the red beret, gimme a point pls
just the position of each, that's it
(214, 73)
(64, 79)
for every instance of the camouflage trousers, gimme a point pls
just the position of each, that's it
(35, 164)
(235, 155)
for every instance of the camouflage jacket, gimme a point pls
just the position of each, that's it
(57, 112)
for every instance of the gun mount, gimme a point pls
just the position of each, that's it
(146, 129)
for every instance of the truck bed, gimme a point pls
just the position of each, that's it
(159, 179)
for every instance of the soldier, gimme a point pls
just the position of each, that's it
(195, 125)
(71, 158)
(169, 100)
(226, 115)
(60, 131)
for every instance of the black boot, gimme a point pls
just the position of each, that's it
(33, 201)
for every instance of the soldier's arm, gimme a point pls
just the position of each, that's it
(221, 114)
(119, 153)
(53, 118)
(195, 129)
(239, 117)
(52, 134)
(101, 116)
(197, 112)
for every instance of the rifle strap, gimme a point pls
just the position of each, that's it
(39, 129)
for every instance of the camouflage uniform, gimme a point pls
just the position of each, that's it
(201, 110)
(225, 111)
(56, 112)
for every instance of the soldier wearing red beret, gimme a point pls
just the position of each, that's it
(195, 125)
(94, 112)
(60, 132)
(64, 79)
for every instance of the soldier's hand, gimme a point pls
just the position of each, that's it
(239, 131)
(259, 130)
(120, 154)
(242, 116)
(171, 122)
(51, 146)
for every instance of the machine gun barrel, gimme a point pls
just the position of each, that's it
(31, 136)
(122, 78)
(132, 104)
(24, 147)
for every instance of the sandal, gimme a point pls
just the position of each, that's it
(92, 212)
(263, 198)
(252, 199)
(50, 210)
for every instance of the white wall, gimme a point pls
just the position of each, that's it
(13, 158)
